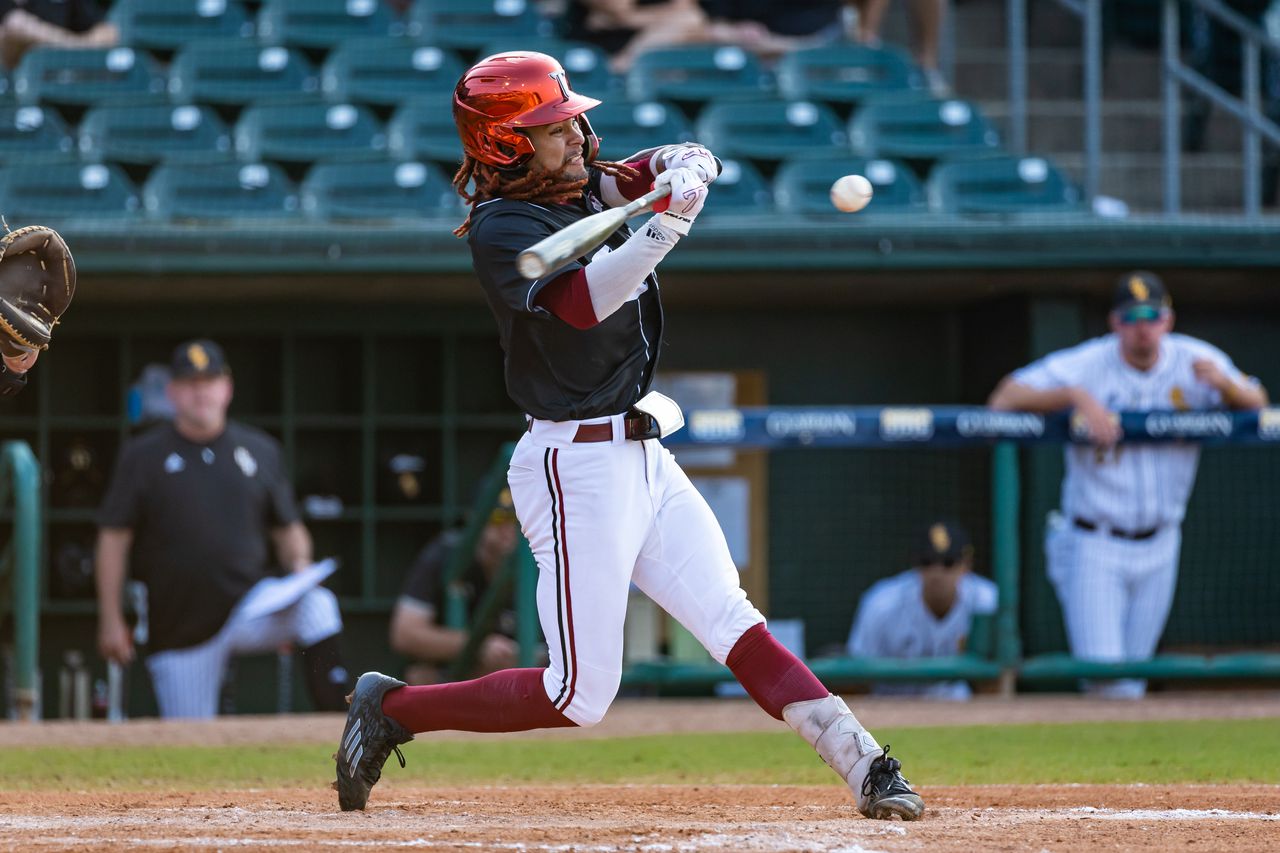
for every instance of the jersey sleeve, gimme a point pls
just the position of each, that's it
(122, 506)
(283, 508)
(1201, 349)
(496, 241)
(865, 637)
(983, 594)
(422, 586)
(1060, 369)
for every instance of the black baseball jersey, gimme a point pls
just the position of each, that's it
(74, 15)
(556, 372)
(201, 517)
(424, 585)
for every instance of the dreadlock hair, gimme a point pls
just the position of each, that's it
(523, 184)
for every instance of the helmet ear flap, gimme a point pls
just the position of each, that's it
(591, 142)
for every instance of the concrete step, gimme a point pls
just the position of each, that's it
(1057, 74)
(1210, 182)
(1127, 126)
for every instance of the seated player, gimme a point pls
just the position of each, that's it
(417, 623)
(925, 611)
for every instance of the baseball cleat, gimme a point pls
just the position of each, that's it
(888, 793)
(367, 740)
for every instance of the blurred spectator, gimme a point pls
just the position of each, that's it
(194, 510)
(925, 611)
(25, 24)
(926, 32)
(417, 622)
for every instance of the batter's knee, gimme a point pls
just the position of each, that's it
(592, 694)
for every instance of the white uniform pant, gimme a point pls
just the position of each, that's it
(599, 516)
(1115, 594)
(188, 681)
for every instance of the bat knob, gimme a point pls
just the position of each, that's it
(529, 265)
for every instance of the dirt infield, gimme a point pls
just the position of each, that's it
(653, 818)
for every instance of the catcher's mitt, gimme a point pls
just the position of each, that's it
(37, 281)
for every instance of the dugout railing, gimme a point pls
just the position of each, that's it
(1002, 434)
(20, 578)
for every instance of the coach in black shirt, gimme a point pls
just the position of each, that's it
(195, 508)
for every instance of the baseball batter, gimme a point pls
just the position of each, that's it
(599, 499)
(1112, 551)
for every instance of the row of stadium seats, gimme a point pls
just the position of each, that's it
(390, 190)
(386, 71)
(762, 130)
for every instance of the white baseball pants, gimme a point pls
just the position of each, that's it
(1115, 595)
(188, 681)
(599, 516)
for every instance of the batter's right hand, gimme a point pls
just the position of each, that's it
(688, 195)
(1102, 425)
(115, 642)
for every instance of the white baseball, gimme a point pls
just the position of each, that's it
(851, 193)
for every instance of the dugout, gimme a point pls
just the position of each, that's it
(355, 347)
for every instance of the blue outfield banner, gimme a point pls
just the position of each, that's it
(953, 426)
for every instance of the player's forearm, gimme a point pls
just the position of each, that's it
(424, 641)
(1244, 397)
(617, 191)
(110, 568)
(1011, 396)
(293, 546)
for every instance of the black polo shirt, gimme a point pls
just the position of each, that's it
(553, 371)
(201, 516)
(78, 16)
(424, 586)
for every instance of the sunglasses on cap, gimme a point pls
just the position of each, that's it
(1140, 314)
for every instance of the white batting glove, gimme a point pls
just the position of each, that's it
(689, 155)
(688, 195)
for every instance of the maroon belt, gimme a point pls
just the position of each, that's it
(635, 428)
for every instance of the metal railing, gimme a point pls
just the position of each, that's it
(1249, 110)
(20, 574)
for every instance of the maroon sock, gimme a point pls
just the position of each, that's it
(772, 675)
(512, 700)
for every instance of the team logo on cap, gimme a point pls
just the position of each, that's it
(1139, 289)
(939, 538)
(197, 356)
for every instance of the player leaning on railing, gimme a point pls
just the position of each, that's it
(601, 502)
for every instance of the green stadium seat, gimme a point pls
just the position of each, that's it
(61, 191)
(219, 192)
(49, 75)
(739, 190)
(387, 71)
(471, 24)
(928, 129)
(325, 23)
(170, 24)
(625, 127)
(29, 134)
(152, 133)
(309, 132)
(410, 190)
(847, 73)
(803, 185)
(241, 72)
(586, 64)
(423, 129)
(6, 89)
(698, 73)
(1000, 185)
(771, 129)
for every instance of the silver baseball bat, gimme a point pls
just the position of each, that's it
(581, 237)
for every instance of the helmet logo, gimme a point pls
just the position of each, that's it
(558, 76)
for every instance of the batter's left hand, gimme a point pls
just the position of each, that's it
(688, 155)
(1208, 372)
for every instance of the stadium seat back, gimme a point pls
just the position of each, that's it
(61, 191)
(309, 132)
(625, 127)
(846, 73)
(739, 190)
(803, 185)
(471, 24)
(387, 71)
(149, 134)
(1001, 185)
(423, 129)
(33, 133)
(241, 72)
(82, 77)
(386, 190)
(170, 24)
(771, 129)
(697, 73)
(325, 23)
(219, 192)
(586, 64)
(921, 129)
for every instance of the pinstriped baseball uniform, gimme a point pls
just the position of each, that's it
(1112, 552)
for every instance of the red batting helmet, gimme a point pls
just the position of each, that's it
(507, 91)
